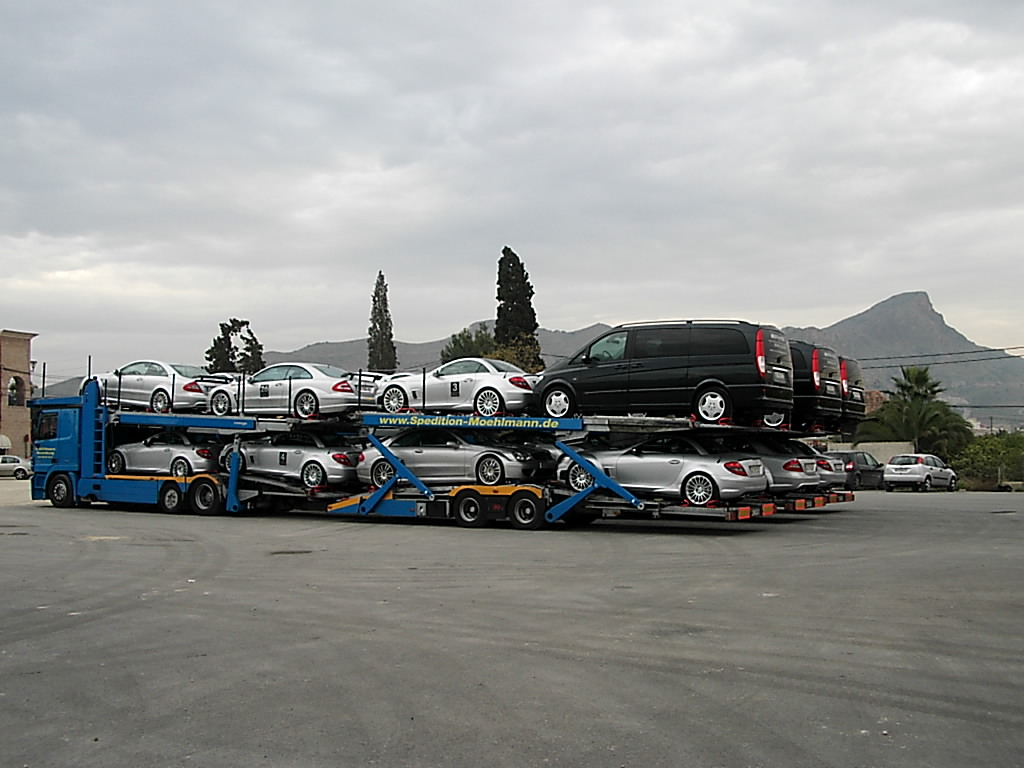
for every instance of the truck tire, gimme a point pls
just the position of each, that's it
(525, 511)
(204, 497)
(171, 499)
(469, 509)
(60, 491)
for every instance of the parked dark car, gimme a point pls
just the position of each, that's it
(862, 469)
(717, 371)
(852, 381)
(817, 387)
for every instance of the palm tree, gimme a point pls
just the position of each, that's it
(915, 414)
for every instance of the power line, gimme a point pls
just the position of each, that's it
(986, 351)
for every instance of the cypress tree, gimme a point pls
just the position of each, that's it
(516, 324)
(380, 336)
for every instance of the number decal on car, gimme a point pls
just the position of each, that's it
(282, 458)
(453, 388)
(264, 390)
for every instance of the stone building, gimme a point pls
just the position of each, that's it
(16, 377)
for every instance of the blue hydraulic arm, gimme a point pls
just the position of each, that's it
(401, 472)
(601, 480)
(232, 503)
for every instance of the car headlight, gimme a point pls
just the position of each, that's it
(519, 456)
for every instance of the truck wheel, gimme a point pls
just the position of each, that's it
(525, 511)
(469, 509)
(60, 491)
(171, 499)
(204, 497)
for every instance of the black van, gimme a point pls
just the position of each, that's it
(852, 382)
(817, 387)
(717, 371)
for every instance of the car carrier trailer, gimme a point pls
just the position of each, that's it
(72, 437)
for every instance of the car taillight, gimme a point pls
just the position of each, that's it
(519, 381)
(193, 387)
(361, 459)
(920, 460)
(849, 466)
(842, 377)
(762, 363)
(823, 464)
(343, 386)
(816, 369)
(793, 465)
(206, 453)
(342, 458)
(736, 468)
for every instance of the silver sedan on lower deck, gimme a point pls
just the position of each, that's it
(788, 472)
(302, 457)
(177, 453)
(671, 465)
(455, 457)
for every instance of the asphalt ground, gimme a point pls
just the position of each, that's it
(884, 632)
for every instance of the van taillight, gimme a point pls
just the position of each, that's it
(842, 377)
(762, 364)
(816, 369)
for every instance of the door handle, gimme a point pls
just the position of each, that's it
(621, 365)
(674, 461)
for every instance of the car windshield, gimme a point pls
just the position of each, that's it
(330, 370)
(192, 371)
(501, 365)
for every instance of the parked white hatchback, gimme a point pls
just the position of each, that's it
(920, 471)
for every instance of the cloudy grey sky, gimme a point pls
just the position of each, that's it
(168, 165)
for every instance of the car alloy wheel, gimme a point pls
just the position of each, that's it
(381, 472)
(490, 471)
(394, 400)
(699, 489)
(313, 475)
(488, 402)
(220, 404)
(306, 405)
(558, 403)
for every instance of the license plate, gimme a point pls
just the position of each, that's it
(779, 376)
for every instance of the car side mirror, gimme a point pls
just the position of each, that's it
(452, 444)
(437, 374)
(588, 360)
(148, 441)
(116, 372)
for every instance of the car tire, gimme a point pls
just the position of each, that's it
(306, 405)
(952, 484)
(889, 487)
(926, 485)
(394, 399)
(171, 499)
(712, 405)
(488, 402)
(220, 404)
(20, 474)
(181, 468)
(489, 470)
(525, 511)
(60, 491)
(204, 497)
(313, 475)
(381, 472)
(159, 402)
(558, 402)
(578, 478)
(699, 489)
(855, 482)
(116, 463)
(469, 509)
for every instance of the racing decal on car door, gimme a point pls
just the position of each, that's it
(264, 390)
(453, 389)
(282, 458)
